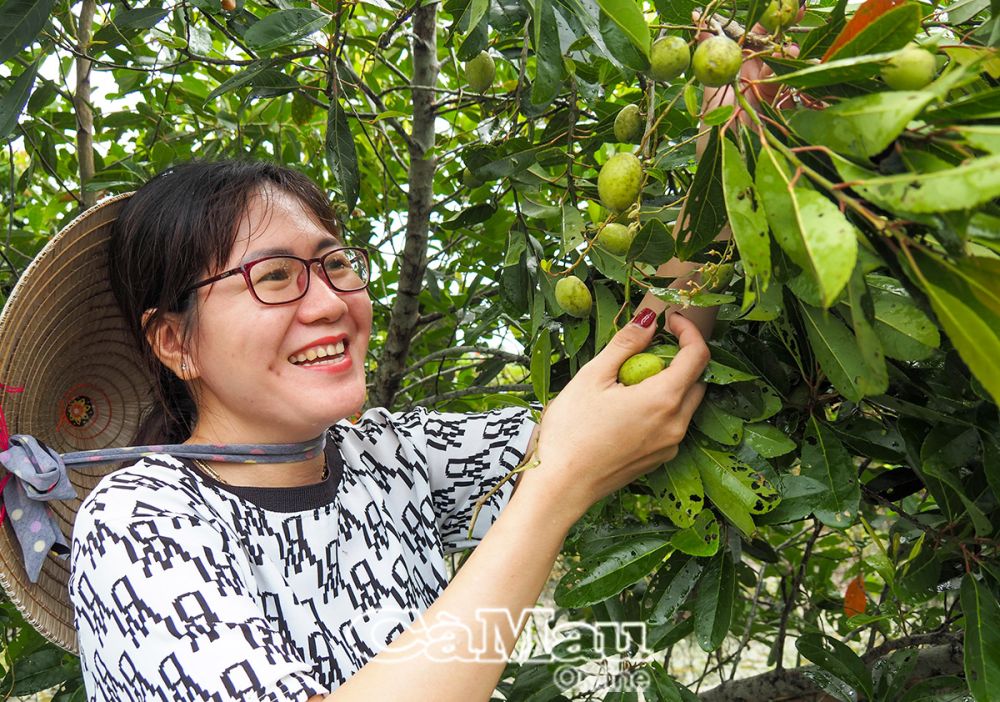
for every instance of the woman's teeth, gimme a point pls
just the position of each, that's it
(315, 354)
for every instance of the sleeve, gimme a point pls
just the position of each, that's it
(164, 612)
(467, 455)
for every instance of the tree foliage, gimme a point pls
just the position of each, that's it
(840, 485)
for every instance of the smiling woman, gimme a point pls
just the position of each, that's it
(264, 548)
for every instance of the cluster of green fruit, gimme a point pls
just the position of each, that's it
(716, 60)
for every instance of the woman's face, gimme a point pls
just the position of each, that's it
(253, 380)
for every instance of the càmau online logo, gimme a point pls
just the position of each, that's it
(544, 640)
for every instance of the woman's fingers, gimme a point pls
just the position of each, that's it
(690, 361)
(631, 339)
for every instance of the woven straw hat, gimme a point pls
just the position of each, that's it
(63, 341)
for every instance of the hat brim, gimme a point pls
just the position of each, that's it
(63, 340)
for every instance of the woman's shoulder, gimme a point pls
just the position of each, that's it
(155, 485)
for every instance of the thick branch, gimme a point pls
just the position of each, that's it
(413, 263)
(795, 686)
(81, 104)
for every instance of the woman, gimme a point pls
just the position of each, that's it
(293, 581)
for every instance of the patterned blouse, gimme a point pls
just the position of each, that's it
(188, 589)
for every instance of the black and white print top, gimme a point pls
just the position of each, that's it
(187, 589)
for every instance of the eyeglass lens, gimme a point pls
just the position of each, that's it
(282, 279)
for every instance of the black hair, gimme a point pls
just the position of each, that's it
(171, 231)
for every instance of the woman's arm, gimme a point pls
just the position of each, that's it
(595, 437)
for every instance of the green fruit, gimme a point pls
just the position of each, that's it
(717, 61)
(479, 73)
(573, 297)
(911, 69)
(639, 367)
(779, 15)
(620, 181)
(615, 238)
(628, 124)
(668, 58)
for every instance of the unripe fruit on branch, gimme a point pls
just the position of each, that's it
(911, 69)
(615, 238)
(628, 124)
(717, 61)
(573, 296)
(479, 72)
(779, 15)
(668, 58)
(620, 181)
(639, 367)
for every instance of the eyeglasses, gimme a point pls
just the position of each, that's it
(278, 280)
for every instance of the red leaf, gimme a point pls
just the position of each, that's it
(865, 15)
(855, 599)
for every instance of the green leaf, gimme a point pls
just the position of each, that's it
(875, 379)
(906, 333)
(572, 227)
(238, 80)
(717, 424)
(825, 460)
(838, 354)
(981, 136)
(705, 212)
(975, 182)
(767, 441)
(342, 156)
(821, 37)
(943, 455)
(861, 127)
(677, 486)
(701, 538)
(811, 229)
(627, 15)
(670, 588)
(713, 607)
(14, 100)
(609, 572)
(20, 22)
(541, 362)
(970, 325)
(837, 659)
(746, 214)
(848, 70)
(126, 24)
(892, 30)
(284, 27)
(800, 497)
(982, 639)
(652, 244)
(716, 373)
(734, 487)
(606, 308)
(548, 54)
(684, 298)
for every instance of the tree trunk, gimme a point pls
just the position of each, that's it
(81, 104)
(413, 262)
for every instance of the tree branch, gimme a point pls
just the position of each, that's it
(81, 104)
(795, 684)
(413, 262)
(479, 390)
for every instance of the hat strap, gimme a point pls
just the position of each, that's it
(40, 476)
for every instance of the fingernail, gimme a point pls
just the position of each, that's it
(645, 317)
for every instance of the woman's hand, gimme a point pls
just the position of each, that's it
(599, 435)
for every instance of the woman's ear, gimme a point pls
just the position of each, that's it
(166, 337)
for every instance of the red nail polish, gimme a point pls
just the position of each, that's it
(645, 317)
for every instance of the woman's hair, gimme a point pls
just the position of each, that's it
(171, 232)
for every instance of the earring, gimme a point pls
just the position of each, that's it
(184, 366)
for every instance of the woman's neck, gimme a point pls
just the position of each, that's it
(282, 474)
